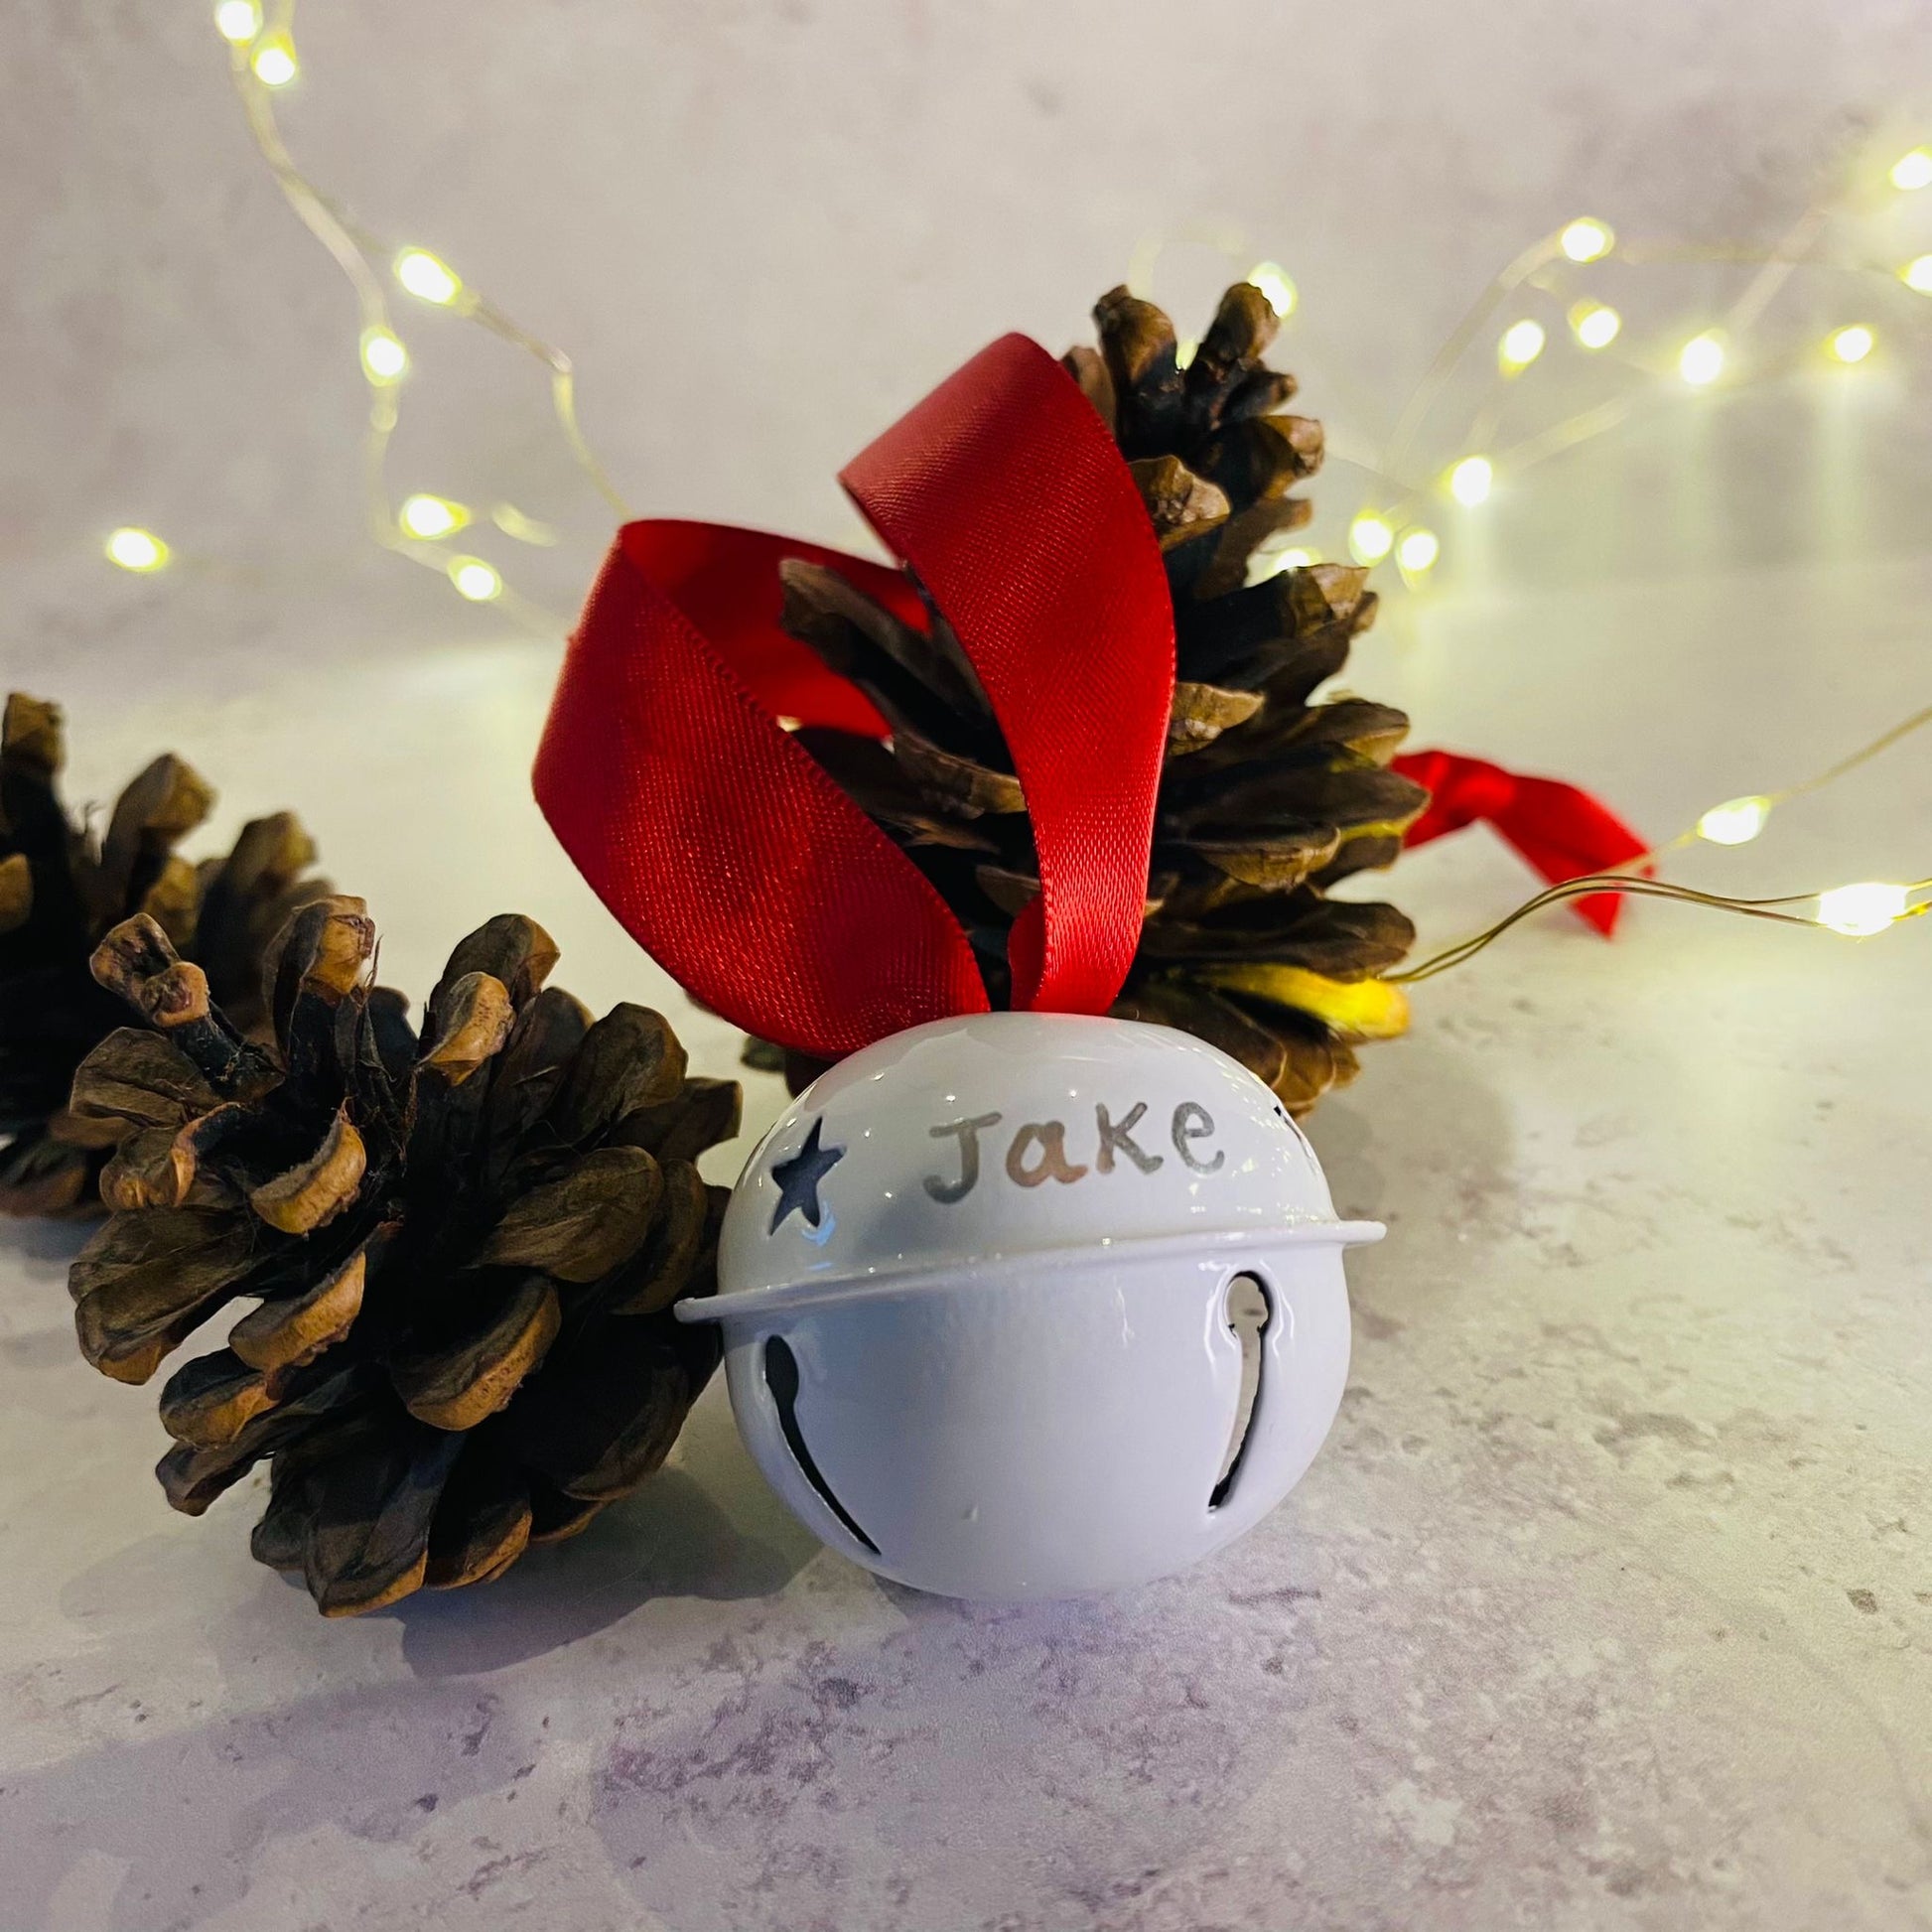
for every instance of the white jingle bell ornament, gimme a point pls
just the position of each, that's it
(1023, 1305)
(1019, 1303)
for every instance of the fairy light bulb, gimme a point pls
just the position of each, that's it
(1469, 482)
(274, 62)
(474, 579)
(427, 278)
(383, 356)
(1913, 170)
(424, 515)
(1370, 538)
(1594, 325)
(1418, 551)
(1851, 345)
(137, 550)
(1267, 561)
(1586, 241)
(238, 21)
(1272, 280)
(1521, 345)
(1736, 821)
(1702, 360)
(1858, 911)
(1918, 275)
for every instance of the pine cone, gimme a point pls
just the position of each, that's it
(463, 1248)
(1266, 799)
(61, 887)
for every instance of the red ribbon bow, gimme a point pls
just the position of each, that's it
(738, 864)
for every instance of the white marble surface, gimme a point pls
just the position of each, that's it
(1609, 1602)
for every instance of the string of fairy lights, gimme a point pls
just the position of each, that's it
(1396, 528)
(265, 62)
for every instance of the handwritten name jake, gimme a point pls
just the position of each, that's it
(1037, 1150)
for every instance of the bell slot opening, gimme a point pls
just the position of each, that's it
(781, 1378)
(1247, 1312)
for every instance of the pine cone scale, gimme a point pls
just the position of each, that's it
(209, 1401)
(16, 892)
(191, 1478)
(456, 1385)
(145, 1279)
(293, 1329)
(317, 1188)
(368, 1544)
(588, 1220)
(481, 1523)
(688, 1223)
(586, 1431)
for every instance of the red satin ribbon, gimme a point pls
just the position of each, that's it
(1562, 832)
(738, 864)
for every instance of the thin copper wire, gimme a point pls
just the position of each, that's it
(354, 248)
(1628, 877)
(1816, 782)
(1617, 881)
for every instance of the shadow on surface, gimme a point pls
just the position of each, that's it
(35, 1315)
(43, 1246)
(183, 1817)
(136, 1834)
(668, 1540)
(708, 1528)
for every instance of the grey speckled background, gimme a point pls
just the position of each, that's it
(1609, 1603)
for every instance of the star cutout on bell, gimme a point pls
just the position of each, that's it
(798, 1178)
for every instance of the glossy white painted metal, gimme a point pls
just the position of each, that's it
(999, 1250)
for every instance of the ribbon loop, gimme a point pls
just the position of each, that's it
(738, 864)
(1009, 501)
